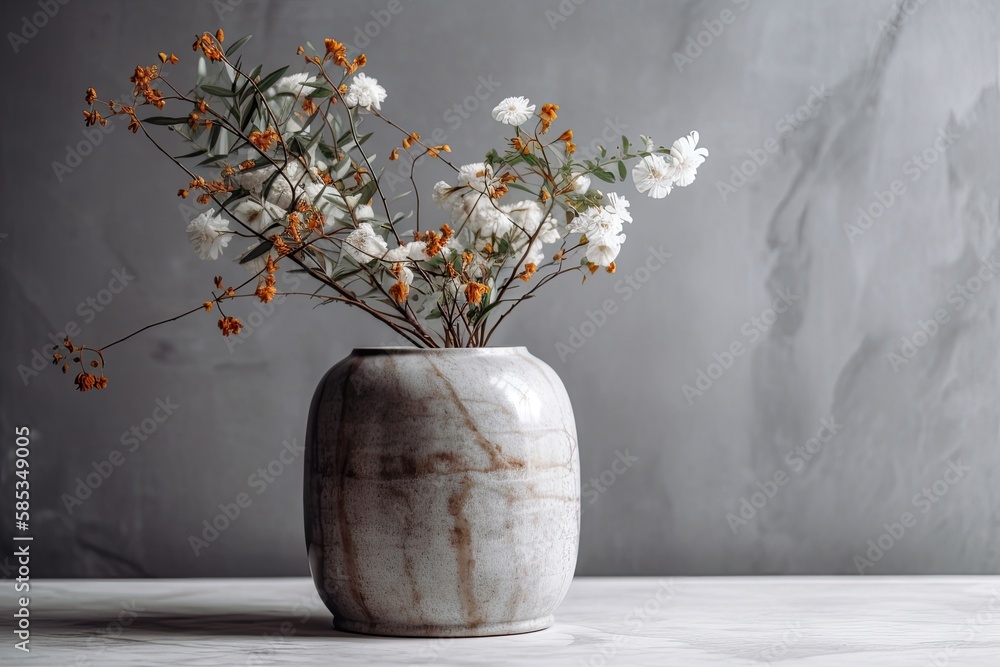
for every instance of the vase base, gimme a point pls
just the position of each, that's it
(482, 630)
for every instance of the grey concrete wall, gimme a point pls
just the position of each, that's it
(883, 85)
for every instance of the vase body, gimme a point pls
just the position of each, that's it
(442, 492)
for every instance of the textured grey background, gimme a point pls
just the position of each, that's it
(886, 93)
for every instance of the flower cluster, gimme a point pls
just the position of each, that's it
(279, 160)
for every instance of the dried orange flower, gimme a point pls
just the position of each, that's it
(337, 52)
(593, 267)
(219, 35)
(545, 195)
(529, 270)
(394, 155)
(182, 193)
(230, 325)
(566, 136)
(263, 140)
(266, 289)
(85, 381)
(218, 282)
(208, 306)
(208, 47)
(360, 61)
(93, 118)
(611, 268)
(101, 383)
(399, 291)
(519, 145)
(280, 245)
(548, 114)
(172, 59)
(474, 292)
(559, 255)
(91, 96)
(411, 139)
(435, 242)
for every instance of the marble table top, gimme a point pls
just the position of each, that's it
(811, 621)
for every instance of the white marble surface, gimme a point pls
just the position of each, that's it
(813, 621)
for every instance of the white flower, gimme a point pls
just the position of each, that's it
(442, 194)
(490, 221)
(398, 254)
(596, 223)
(256, 216)
(322, 196)
(535, 254)
(412, 251)
(602, 251)
(653, 176)
(209, 234)
(364, 212)
(364, 245)
(513, 111)
(293, 83)
(579, 182)
(279, 191)
(526, 214)
(415, 250)
(478, 176)
(618, 207)
(549, 232)
(365, 92)
(687, 158)
(252, 180)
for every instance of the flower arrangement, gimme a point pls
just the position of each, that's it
(280, 160)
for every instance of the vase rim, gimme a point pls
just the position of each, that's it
(403, 349)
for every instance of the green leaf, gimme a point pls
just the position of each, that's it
(531, 159)
(218, 91)
(214, 161)
(518, 186)
(625, 144)
(250, 113)
(604, 175)
(200, 151)
(320, 89)
(164, 120)
(213, 136)
(264, 247)
(235, 47)
(367, 191)
(269, 80)
(621, 169)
